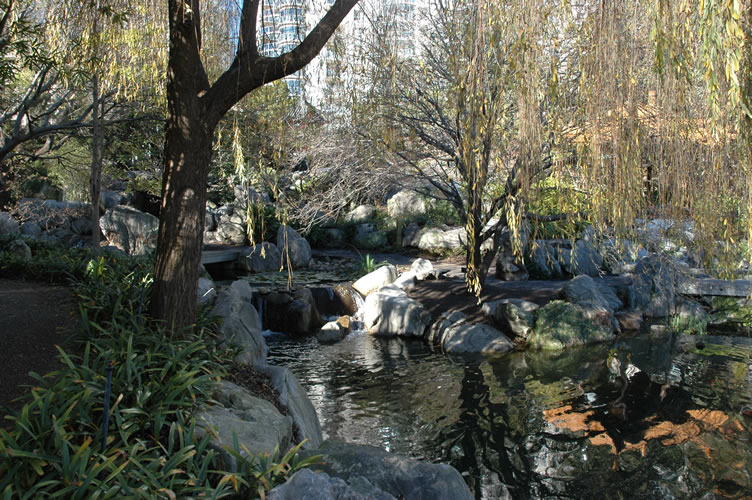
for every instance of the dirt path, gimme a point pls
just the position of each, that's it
(34, 317)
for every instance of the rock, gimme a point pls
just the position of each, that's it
(295, 399)
(390, 312)
(406, 280)
(247, 195)
(31, 229)
(368, 237)
(629, 320)
(515, 316)
(231, 233)
(405, 203)
(587, 260)
(689, 309)
(361, 213)
(335, 238)
(462, 338)
(293, 247)
(319, 486)
(262, 258)
(559, 325)
(543, 262)
(207, 292)
(411, 235)
(436, 239)
(584, 290)
(8, 224)
(372, 281)
(20, 249)
(435, 334)
(240, 322)
(258, 426)
(331, 332)
(82, 226)
(132, 231)
(110, 199)
(423, 269)
(655, 292)
(398, 476)
(337, 300)
(292, 312)
(510, 269)
(210, 222)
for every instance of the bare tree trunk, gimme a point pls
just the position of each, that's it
(97, 152)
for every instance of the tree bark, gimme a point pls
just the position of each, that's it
(95, 176)
(194, 110)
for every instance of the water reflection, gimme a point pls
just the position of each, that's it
(645, 417)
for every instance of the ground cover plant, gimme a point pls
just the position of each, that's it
(58, 445)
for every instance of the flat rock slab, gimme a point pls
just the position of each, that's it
(34, 317)
(712, 286)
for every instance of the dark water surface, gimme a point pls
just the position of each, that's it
(644, 417)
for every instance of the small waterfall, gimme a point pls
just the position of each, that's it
(357, 317)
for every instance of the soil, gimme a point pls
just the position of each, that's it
(34, 319)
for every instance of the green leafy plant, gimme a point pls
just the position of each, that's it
(689, 325)
(369, 265)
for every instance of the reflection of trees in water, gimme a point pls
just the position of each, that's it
(476, 441)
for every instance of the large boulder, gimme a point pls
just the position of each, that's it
(390, 312)
(8, 225)
(261, 258)
(207, 292)
(560, 325)
(587, 259)
(256, 424)
(655, 290)
(374, 280)
(468, 338)
(423, 269)
(514, 316)
(332, 332)
(336, 300)
(585, 290)
(31, 229)
(542, 262)
(295, 399)
(435, 334)
(230, 231)
(361, 213)
(442, 239)
(294, 248)
(292, 312)
(240, 322)
(131, 231)
(398, 476)
(368, 237)
(320, 486)
(20, 249)
(405, 203)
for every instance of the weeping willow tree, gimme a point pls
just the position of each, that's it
(664, 140)
(115, 48)
(469, 115)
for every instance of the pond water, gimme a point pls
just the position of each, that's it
(650, 416)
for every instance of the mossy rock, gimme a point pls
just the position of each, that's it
(559, 325)
(728, 310)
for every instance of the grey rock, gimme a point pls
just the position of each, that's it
(398, 476)
(110, 199)
(462, 338)
(374, 280)
(446, 239)
(294, 248)
(82, 226)
(370, 238)
(132, 231)
(687, 309)
(435, 335)
(655, 290)
(258, 426)
(411, 235)
(207, 292)
(292, 312)
(295, 399)
(31, 229)
(515, 316)
(331, 332)
(308, 485)
(20, 249)
(361, 213)
(240, 322)
(629, 320)
(405, 203)
(390, 312)
(210, 222)
(560, 325)
(584, 290)
(8, 224)
(423, 269)
(406, 281)
(231, 233)
(261, 258)
(587, 260)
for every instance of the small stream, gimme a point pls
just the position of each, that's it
(650, 416)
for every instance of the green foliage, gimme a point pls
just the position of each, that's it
(728, 310)
(263, 222)
(368, 264)
(441, 212)
(689, 325)
(159, 377)
(553, 196)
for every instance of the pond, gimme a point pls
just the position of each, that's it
(649, 416)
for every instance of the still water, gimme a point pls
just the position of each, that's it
(651, 416)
